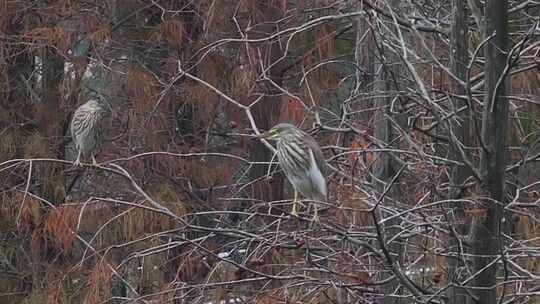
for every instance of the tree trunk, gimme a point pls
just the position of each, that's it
(384, 166)
(52, 120)
(383, 171)
(485, 235)
(386, 84)
(266, 111)
(53, 73)
(458, 62)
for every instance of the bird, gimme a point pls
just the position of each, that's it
(301, 159)
(87, 129)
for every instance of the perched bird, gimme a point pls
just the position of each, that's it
(86, 129)
(303, 162)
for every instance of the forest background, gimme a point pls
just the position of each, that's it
(428, 112)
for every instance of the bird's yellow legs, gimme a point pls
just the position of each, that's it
(77, 162)
(94, 161)
(294, 204)
(294, 211)
(315, 213)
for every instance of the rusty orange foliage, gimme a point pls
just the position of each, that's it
(324, 41)
(60, 225)
(271, 297)
(203, 99)
(100, 35)
(155, 130)
(37, 242)
(328, 79)
(98, 30)
(359, 143)
(94, 216)
(170, 198)
(526, 82)
(53, 293)
(173, 31)
(9, 146)
(358, 277)
(528, 230)
(7, 14)
(478, 212)
(56, 36)
(29, 216)
(216, 14)
(9, 209)
(139, 222)
(92, 22)
(140, 82)
(170, 166)
(440, 80)
(99, 283)
(318, 83)
(191, 268)
(291, 110)
(283, 5)
(356, 202)
(247, 6)
(57, 8)
(142, 88)
(242, 77)
(208, 172)
(214, 68)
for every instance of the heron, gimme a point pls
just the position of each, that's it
(87, 129)
(301, 159)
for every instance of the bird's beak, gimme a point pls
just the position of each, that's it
(270, 134)
(263, 135)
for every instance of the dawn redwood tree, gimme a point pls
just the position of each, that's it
(486, 235)
(265, 59)
(385, 167)
(186, 207)
(459, 60)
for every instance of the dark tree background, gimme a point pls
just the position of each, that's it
(428, 113)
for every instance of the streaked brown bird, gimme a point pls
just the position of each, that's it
(87, 129)
(301, 159)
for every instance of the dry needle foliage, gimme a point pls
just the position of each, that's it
(29, 214)
(208, 173)
(58, 37)
(8, 147)
(215, 13)
(60, 226)
(185, 206)
(203, 100)
(242, 81)
(292, 110)
(528, 229)
(6, 16)
(324, 41)
(173, 32)
(137, 223)
(141, 86)
(99, 31)
(98, 286)
(54, 292)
